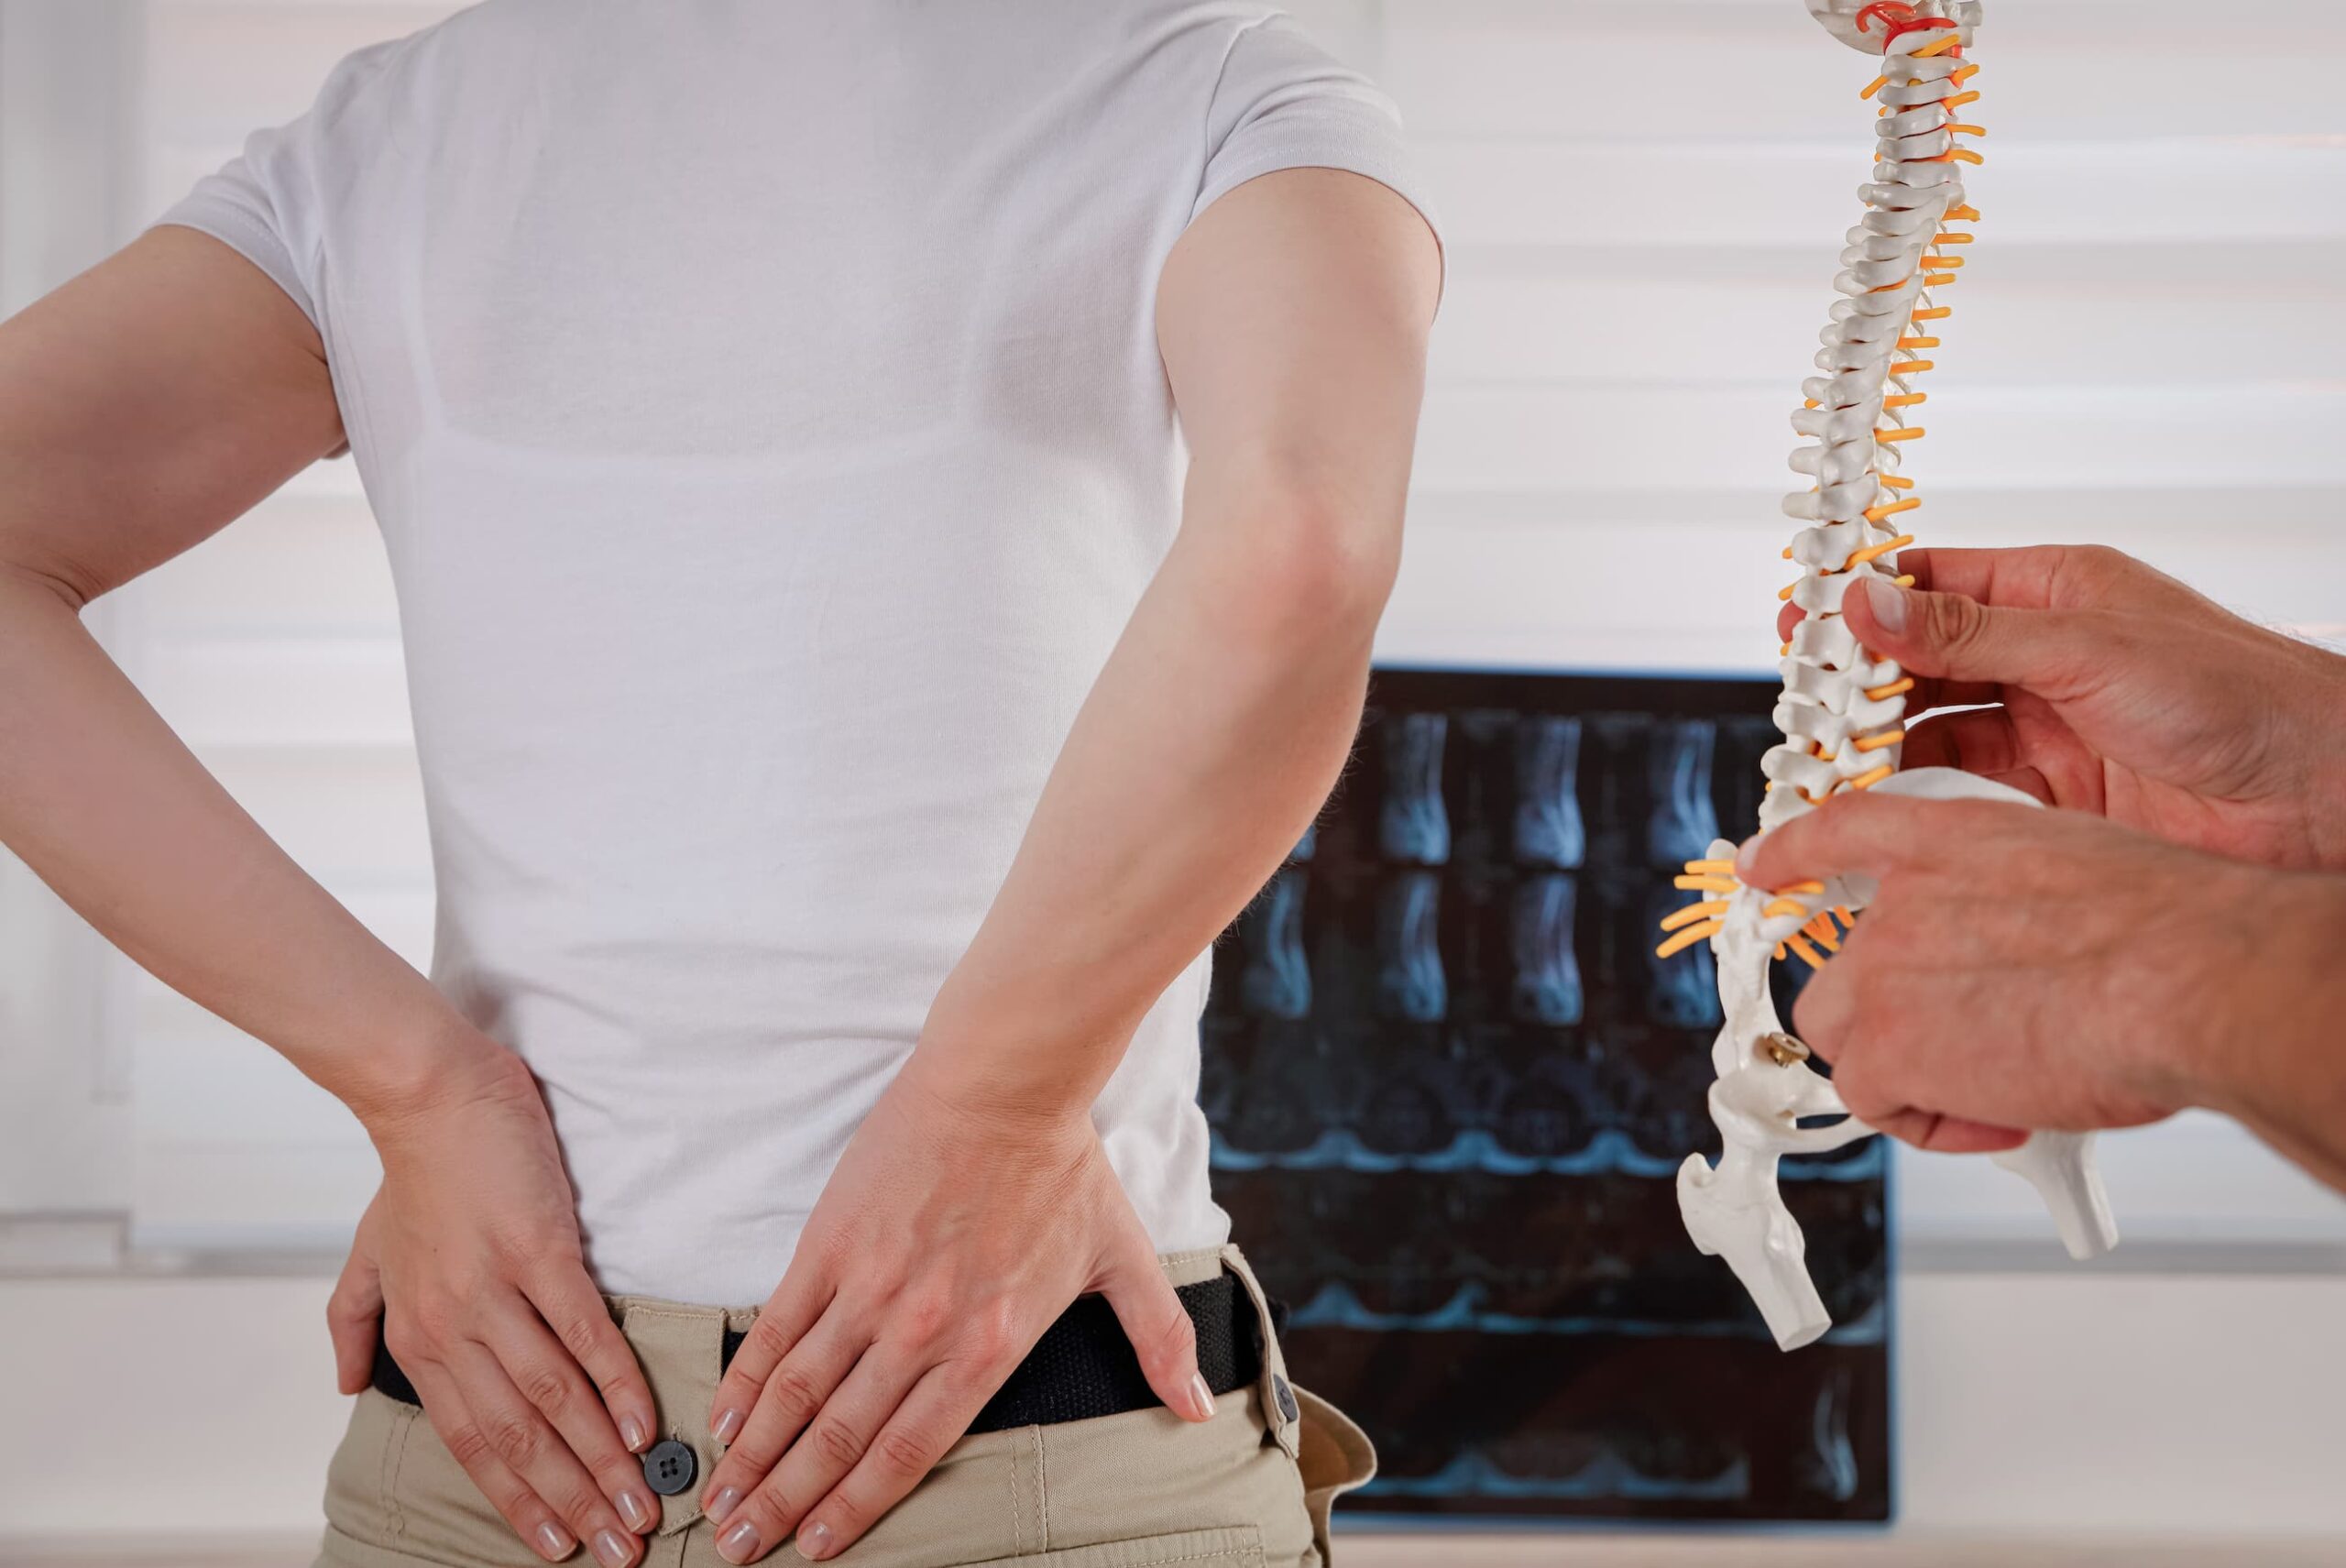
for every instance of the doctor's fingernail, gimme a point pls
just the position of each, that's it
(815, 1542)
(727, 1426)
(610, 1551)
(726, 1499)
(739, 1543)
(637, 1512)
(1887, 603)
(553, 1544)
(1201, 1397)
(631, 1433)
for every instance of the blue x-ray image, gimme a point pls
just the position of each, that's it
(1681, 822)
(1547, 969)
(1450, 1084)
(1278, 978)
(1682, 990)
(1548, 828)
(1414, 826)
(1411, 979)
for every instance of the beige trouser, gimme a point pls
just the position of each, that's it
(1250, 1488)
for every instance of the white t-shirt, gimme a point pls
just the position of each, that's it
(762, 406)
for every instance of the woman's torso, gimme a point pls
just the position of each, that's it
(762, 406)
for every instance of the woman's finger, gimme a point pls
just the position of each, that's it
(796, 1303)
(931, 1419)
(570, 1306)
(445, 1407)
(834, 1442)
(1158, 1326)
(817, 1364)
(519, 1436)
(547, 1377)
(355, 1319)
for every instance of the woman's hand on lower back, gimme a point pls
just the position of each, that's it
(468, 1265)
(950, 1237)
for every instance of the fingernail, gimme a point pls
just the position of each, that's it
(1745, 857)
(553, 1545)
(722, 1504)
(727, 1426)
(815, 1542)
(631, 1433)
(1887, 603)
(739, 1542)
(637, 1512)
(1201, 1397)
(610, 1548)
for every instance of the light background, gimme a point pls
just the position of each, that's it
(1643, 201)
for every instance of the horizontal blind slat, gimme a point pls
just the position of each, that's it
(1553, 315)
(218, 70)
(1519, 436)
(1650, 72)
(282, 691)
(2110, 194)
(1689, 581)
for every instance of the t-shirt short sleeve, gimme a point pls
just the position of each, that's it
(1284, 102)
(269, 203)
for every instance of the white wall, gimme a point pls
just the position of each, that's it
(2145, 1403)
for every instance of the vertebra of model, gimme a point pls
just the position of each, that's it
(1842, 711)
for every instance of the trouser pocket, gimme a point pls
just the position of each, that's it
(361, 1504)
(1239, 1546)
(396, 1497)
(1333, 1453)
(1335, 1456)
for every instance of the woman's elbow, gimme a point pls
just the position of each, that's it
(1318, 572)
(73, 588)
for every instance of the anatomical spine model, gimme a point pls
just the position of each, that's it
(1842, 710)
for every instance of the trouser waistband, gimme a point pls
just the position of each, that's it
(1082, 1368)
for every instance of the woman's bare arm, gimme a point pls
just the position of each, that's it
(143, 407)
(1293, 320)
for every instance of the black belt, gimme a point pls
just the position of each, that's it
(1081, 1368)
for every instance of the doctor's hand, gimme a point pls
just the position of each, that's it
(951, 1234)
(2117, 690)
(468, 1265)
(2027, 969)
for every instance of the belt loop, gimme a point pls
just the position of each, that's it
(1281, 1411)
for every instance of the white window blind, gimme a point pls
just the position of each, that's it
(273, 649)
(1643, 201)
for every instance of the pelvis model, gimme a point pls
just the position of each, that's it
(1842, 711)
